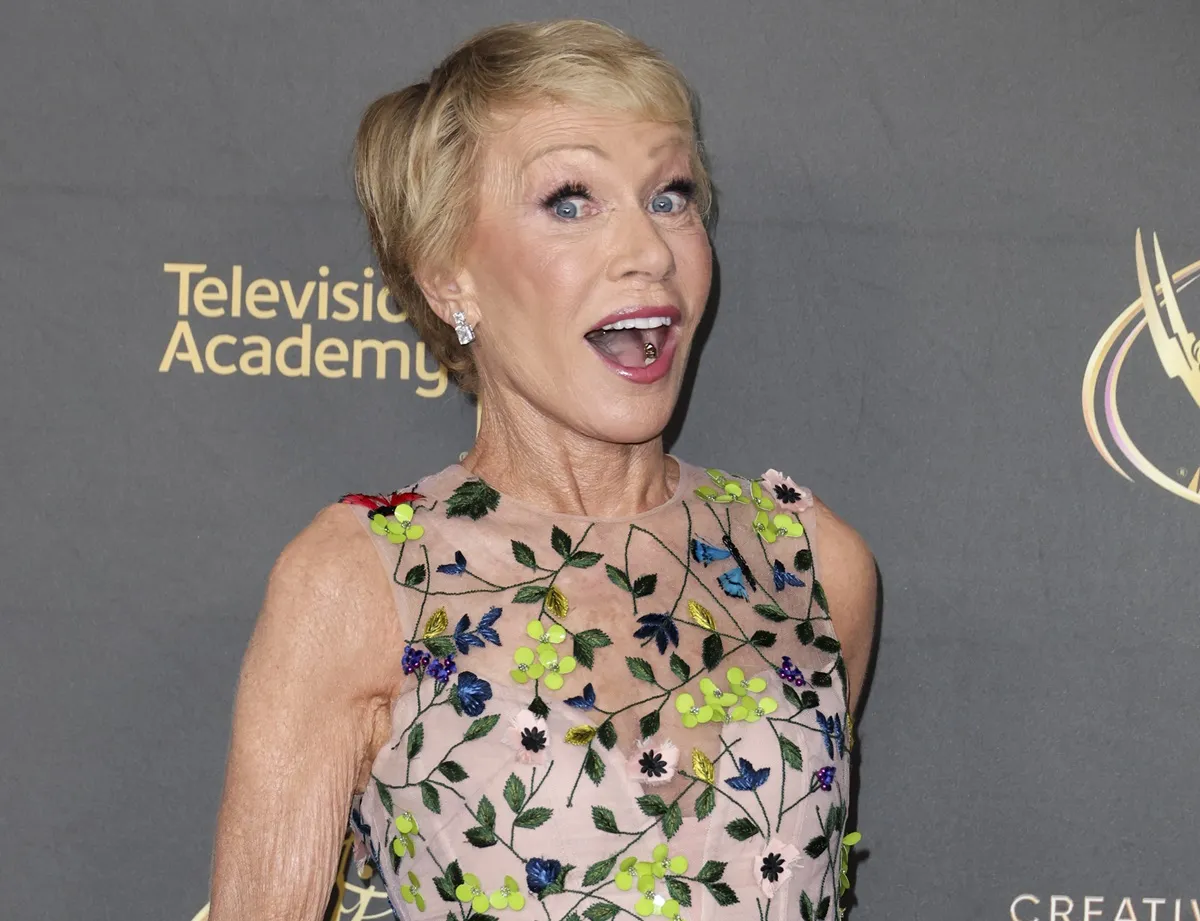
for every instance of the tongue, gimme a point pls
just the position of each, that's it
(627, 347)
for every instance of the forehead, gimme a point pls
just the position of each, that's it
(549, 133)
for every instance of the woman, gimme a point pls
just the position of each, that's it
(588, 679)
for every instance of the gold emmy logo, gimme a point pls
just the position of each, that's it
(1178, 350)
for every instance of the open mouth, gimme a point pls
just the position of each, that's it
(637, 340)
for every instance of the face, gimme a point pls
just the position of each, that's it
(586, 271)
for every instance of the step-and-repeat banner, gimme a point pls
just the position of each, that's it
(958, 257)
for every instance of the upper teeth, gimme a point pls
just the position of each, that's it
(639, 323)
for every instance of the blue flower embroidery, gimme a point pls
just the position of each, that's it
(457, 568)
(584, 701)
(748, 778)
(659, 627)
(541, 872)
(473, 693)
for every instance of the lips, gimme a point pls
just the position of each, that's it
(637, 343)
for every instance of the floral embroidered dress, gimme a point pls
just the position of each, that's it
(606, 718)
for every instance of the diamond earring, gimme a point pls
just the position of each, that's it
(465, 333)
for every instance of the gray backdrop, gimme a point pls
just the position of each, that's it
(927, 222)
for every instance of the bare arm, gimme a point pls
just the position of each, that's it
(312, 709)
(848, 577)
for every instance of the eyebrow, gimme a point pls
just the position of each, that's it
(592, 148)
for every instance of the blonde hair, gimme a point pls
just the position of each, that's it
(417, 151)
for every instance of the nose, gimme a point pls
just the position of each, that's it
(638, 247)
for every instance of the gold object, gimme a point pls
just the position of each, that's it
(651, 351)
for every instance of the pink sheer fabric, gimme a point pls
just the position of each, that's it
(606, 718)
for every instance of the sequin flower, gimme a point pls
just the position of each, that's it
(414, 659)
(772, 868)
(823, 778)
(406, 826)
(507, 896)
(527, 734)
(441, 669)
(411, 892)
(847, 842)
(553, 666)
(652, 763)
(789, 673)
(726, 489)
(397, 525)
(741, 685)
(691, 714)
(789, 496)
(470, 890)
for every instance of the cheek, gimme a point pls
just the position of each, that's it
(534, 280)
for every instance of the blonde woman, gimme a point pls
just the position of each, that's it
(570, 676)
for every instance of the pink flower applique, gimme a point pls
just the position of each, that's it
(653, 763)
(527, 734)
(772, 868)
(785, 492)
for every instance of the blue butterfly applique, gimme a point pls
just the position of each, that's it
(465, 637)
(584, 701)
(831, 729)
(784, 578)
(733, 582)
(748, 778)
(457, 568)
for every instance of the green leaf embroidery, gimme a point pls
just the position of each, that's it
(652, 805)
(607, 734)
(705, 803)
(481, 727)
(645, 585)
(453, 771)
(600, 911)
(827, 644)
(680, 891)
(805, 632)
(712, 650)
(594, 766)
(454, 874)
(672, 820)
(440, 646)
(486, 813)
(834, 819)
(722, 894)
(818, 593)
(430, 797)
(640, 669)
(648, 724)
(820, 680)
(533, 818)
(810, 699)
(712, 871)
(480, 836)
(604, 820)
(742, 829)
(771, 612)
(682, 670)
(840, 667)
(806, 907)
(598, 872)
(816, 847)
(584, 559)
(444, 888)
(763, 639)
(790, 695)
(586, 642)
(385, 797)
(473, 499)
(791, 753)
(823, 908)
(538, 707)
(514, 792)
(523, 554)
(530, 594)
(416, 740)
(617, 577)
(560, 541)
(802, 561)
(559, 885)
(415, 576)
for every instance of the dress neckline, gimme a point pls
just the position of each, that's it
(683, 483)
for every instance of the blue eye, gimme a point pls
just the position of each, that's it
(668, 203)
(567, 208)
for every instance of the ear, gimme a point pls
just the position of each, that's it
(449, 293)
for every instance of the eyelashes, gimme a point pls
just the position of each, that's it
(681, 185)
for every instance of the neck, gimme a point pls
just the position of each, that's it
(540, 461)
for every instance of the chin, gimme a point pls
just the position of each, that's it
(628, 421)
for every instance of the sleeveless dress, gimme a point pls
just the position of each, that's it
(609, 718)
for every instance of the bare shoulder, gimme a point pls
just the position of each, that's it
(328, 611)
(847, 572)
